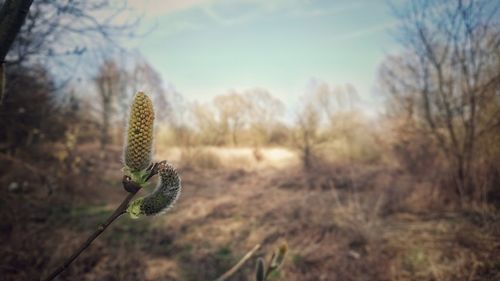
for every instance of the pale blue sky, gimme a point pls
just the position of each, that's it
(205, 48)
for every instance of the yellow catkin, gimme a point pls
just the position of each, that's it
(139, 143)
(278, 256)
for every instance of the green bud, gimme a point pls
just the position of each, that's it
(260, 272)
(278, 257)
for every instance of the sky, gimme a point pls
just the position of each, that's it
(206, 48)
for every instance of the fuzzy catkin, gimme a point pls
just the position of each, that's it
(260, 271)
(164, 196)
(139, 145)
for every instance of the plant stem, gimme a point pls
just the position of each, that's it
(116, 214)
(236, 267)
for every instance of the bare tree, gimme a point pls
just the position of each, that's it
(144, 77)
(209, 129)
(12, 15)
(448, 77)
(109, 81)
(307, 136)
(323, 108)
(263, 113)
(331, 100)
(30, 115)
(229, 116)
(57, 29)
(233, 113)
(57, 33)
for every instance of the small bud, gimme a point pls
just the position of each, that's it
(164, 196)
(129, 185)
(278, 257)
(139, 145)
(260, 272)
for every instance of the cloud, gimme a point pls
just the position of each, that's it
(234, 12)
(305, 10)
(182, 26)
(230, 12)
(164, 7)
(366, 31)
(249, 8)
(226, 14)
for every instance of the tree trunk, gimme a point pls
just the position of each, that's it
(105, 124)
(12, 15)
(306, 157)
(235, 138)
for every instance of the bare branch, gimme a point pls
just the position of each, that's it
(120, 210)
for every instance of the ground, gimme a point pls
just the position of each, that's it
(349, 222)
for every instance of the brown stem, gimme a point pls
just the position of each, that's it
(269, 269)
(236, 267)
(116, 214)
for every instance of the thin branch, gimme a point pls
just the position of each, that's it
(116, 214)
(237, 266)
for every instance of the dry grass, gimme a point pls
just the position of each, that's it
(246, 158)
(341, 223)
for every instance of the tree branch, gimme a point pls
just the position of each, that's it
(120, 210)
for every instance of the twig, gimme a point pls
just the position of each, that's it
(132, 188)
(237, 266)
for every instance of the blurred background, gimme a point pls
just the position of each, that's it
(365, 134)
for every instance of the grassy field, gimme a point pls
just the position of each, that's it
(348, 222)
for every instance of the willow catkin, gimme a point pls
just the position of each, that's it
(281, 253)
(260, 270)
(278, 258)
(164, 196)
(139, 145)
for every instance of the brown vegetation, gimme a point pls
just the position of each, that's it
(351, 222)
